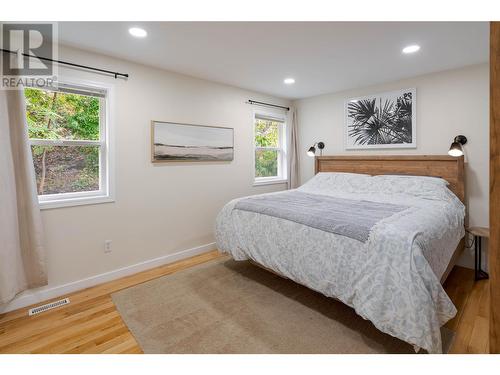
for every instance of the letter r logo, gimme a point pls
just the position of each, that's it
(27, 39)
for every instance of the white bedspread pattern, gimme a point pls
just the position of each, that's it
(393, 279)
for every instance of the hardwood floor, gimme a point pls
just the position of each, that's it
(91, 323)
(472, 300)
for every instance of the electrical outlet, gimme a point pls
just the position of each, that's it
(107, 246)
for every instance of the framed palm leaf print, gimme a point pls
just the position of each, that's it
(386, 120)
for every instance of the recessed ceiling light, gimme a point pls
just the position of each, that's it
(289, 81)
(411, 49)
(137, 32)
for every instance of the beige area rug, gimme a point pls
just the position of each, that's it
(225, 306)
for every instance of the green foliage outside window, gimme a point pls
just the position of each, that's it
(57, 115)
(266, 135)
(266, 163)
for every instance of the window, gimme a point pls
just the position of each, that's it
(270, 150)
(68, 134)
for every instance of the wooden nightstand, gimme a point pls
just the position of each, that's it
(478, 233)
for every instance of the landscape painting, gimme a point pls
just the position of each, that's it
(184, 142)
(384, 120)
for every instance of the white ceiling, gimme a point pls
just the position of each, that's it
(321, 56)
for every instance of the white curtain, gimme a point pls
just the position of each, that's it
(22, 255)
(293, 149)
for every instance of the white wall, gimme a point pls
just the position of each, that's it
(163, 208)
(448, 103)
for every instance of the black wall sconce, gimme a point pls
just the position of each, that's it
(456, 148)
(312, 150)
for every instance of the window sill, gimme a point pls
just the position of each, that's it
(72, 202)
(270, 182)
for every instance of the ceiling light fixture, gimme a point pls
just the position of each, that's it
(289, 81)
(137, 32)
(411, 49)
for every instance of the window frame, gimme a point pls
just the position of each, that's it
(105, 194)
(281, 178)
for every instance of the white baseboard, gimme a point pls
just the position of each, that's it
(33, 296)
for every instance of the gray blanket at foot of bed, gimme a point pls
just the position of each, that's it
(346, 217)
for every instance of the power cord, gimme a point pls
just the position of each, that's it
(472, 240)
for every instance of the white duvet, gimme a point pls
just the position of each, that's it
(393, 279)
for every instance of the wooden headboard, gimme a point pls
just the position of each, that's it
(447, 167)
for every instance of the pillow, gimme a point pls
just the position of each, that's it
(396, 178)
(336, 181)
(418, 186)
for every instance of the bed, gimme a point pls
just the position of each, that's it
(379, 233)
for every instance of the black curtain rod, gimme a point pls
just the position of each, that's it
(116, 74)
(267, 104)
